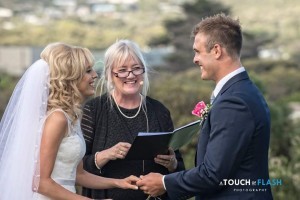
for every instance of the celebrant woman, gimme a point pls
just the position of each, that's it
(112, 120)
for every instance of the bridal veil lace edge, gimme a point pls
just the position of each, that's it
(20, 133)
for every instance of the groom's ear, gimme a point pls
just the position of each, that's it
(217, 50)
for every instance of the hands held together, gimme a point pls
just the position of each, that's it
(152, 183)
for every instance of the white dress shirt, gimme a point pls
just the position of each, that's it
(226, 78)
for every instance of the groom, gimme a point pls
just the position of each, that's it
(232, 151)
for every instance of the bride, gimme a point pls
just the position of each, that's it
(41, 143)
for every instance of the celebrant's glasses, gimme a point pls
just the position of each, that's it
(123, 73)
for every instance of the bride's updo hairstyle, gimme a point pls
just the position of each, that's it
(67, 66)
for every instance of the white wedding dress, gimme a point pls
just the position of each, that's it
(69, 155)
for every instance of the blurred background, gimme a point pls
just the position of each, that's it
(162, 28)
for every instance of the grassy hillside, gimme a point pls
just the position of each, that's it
(279, 18)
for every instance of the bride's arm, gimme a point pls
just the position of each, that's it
(89, 180)
(54, 130)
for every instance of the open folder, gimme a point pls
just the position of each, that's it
(146, 146)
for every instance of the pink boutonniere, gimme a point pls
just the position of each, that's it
(201, 110)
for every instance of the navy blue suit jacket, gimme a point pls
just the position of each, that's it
(233, 144)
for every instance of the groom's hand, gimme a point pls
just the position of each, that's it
(151, 184)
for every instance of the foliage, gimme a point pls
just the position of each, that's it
(190, 87)
(7, 84)
(88, 35)
(279, 23)
(269, 75)
(284, 160)
(278, 79)
(179, 31)
(178, 36)
(96, 32)
(252, 41)
(181, 91)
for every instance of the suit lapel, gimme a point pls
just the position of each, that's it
(205, 128)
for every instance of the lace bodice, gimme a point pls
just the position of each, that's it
(70, 153)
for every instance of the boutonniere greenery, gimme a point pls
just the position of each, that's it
(201, 110)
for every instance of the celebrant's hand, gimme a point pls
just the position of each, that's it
(168, 161)
(119, 151)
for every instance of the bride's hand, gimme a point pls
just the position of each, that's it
(128, 183)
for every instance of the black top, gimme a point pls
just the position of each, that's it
(104, 126)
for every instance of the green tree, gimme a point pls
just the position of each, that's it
(179, 32)
(180, 92)
(7, 84)
(284, 161)
(278, 80)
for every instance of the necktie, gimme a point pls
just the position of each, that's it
(212, 98)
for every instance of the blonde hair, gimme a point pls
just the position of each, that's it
(67, 66)
(115, 56)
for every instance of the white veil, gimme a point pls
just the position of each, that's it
(20, 134)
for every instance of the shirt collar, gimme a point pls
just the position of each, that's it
(226, 78)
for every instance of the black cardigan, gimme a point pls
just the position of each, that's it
(101, 121)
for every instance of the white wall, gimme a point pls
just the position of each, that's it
(15, 60)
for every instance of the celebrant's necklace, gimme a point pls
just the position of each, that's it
(128, 117)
